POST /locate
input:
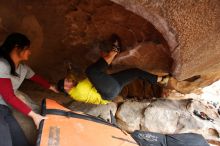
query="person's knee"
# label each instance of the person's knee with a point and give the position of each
(111, 94)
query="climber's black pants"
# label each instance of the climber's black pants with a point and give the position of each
(11, 133)
(110, 85)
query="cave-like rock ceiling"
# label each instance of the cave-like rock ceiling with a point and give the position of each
(164, 36)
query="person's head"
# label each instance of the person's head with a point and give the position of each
(15, 45)
(66, 84)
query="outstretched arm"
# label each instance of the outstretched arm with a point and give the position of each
(8, 95)
(43, 82)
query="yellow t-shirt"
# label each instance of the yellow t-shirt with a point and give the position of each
(85, 92)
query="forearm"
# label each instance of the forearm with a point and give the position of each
(36, 118)
(40, 81)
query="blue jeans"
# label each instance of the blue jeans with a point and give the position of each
(11, 133)
(110, 85)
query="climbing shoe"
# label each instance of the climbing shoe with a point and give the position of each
(165, 80)
(116, 43)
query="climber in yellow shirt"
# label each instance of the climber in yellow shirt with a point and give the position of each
(100, 87)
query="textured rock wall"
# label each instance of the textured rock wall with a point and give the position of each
(148, 56)
(63, 30)
(70, 30)
(191, 28)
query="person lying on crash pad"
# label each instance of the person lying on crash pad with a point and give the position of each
(100, 87)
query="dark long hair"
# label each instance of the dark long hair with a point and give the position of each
(17, 40)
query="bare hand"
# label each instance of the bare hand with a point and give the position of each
(36, 118)
(54, 89)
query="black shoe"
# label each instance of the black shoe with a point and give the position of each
(116, 43)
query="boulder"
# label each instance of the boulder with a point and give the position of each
(102, 111)
(129, 115)
(162, 116)
(170, 116)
